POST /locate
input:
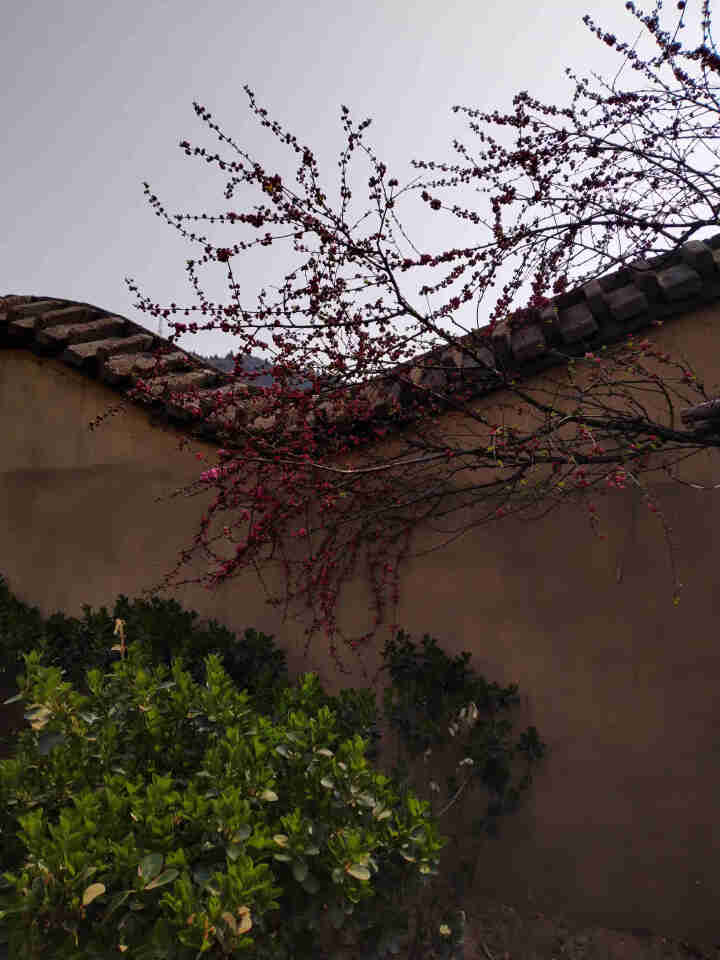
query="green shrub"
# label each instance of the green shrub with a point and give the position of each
(355, 711)
(434, 701)
(21, 629)
(174, 819)
(164, 630)
(160, 626)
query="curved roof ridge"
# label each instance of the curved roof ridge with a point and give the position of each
(184, 390)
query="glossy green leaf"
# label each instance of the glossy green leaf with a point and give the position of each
(116, 902)
(358, 871)
(150, 865)
(166, 877)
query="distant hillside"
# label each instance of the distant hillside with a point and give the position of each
(226, 364)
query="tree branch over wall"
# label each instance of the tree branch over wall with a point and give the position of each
(359, 461)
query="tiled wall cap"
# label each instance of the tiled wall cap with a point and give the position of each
(528, 343)
(118, 351)
(627, 302)
(700, 258)
(576, 324)
(679, 282)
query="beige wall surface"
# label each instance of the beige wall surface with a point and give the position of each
(620, 827)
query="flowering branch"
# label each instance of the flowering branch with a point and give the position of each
(336, 321)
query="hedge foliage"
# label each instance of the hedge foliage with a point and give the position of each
(177, 795)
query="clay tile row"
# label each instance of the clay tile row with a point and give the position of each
(183, 390)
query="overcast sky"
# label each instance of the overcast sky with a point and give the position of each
(97, 96)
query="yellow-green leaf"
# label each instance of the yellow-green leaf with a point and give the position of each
(245, 919)
(38, 716)
(94, 890)
(358, 871)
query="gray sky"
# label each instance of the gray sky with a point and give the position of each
(98, 95)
